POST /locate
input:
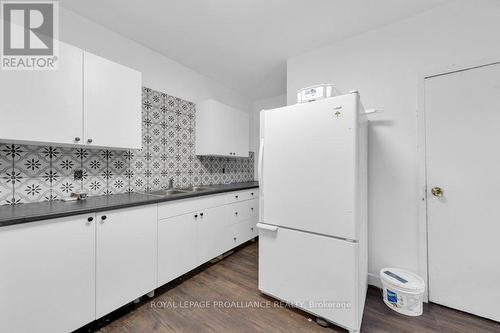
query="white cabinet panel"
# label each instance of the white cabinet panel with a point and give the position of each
(44, 106)
(328, 265)
(126, 256)
(112, 104)
(177, 251)
(47, 275)
(212, 225)
(221, 130)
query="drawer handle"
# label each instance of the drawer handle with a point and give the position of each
(251, 193)
(236, 196)
(236, 213)
(251, 208)
(251, 228)
(90, 219)
(267, 227)
(104, 217)
(195, 216)
(201, 214)
(235, 239)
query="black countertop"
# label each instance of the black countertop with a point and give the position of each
(30, 212)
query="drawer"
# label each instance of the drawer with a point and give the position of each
(184, 206)
(254, 209)
(238, 212)
(241, 233)
(243, 195)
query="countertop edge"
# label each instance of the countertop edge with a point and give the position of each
(149, 201)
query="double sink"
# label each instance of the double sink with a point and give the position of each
(175, 191)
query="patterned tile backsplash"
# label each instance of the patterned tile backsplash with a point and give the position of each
(40, 173)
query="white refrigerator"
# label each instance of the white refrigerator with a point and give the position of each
(313, 208)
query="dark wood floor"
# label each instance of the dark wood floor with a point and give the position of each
(234, 279)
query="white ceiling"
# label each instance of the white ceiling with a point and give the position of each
(243, 44)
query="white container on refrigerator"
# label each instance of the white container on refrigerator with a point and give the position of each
(313, 207)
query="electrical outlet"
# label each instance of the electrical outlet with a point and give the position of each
(78, 175)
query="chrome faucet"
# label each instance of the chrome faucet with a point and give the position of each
(170, 183)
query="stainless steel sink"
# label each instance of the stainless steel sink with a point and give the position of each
(169, 192)
(198, 189)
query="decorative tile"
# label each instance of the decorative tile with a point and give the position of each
(67, 162)
(31, 190)
(172, 103)
(95, 185)
(155, 182)
(64, 186)
(35, 160)
(95, 162)
(119, 184)
(138, 182)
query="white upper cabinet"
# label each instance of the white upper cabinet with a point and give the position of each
(44, 106)
(88, 101)
(221, 130)
(112, 104)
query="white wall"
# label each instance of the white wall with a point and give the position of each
(385, 65)
(158, 72)
(262, 104)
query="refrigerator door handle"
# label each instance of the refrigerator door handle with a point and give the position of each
(267, 227)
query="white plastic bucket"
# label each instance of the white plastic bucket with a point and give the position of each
(403, 291)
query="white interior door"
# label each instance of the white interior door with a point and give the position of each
(463, 159)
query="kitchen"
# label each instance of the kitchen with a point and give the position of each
(142, 188)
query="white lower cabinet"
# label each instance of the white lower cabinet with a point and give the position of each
(58, 275)
(177, 252)
(203, 229)
(126, 250)
(47, 275)
(211, 228)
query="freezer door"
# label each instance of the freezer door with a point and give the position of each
(315, 273)
(308, 166)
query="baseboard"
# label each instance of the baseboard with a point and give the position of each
(374, 280)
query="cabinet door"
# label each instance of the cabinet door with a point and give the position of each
(177, 247)
(221, 130)
(47, 275)
(112, 104)
(211, 229)
(126, 256)
(44, 106)
(241, 136)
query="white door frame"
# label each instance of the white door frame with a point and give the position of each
(423, 258)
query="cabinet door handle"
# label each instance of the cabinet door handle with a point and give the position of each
(236, 213)
(251, 193)
(89, 140)
(90, 219)
(201, 214)
(251, 208)
(103, 218)
(195, 216)
(77, 139)
(235, 239)
(236, 196)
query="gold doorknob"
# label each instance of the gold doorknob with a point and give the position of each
(437, 192)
